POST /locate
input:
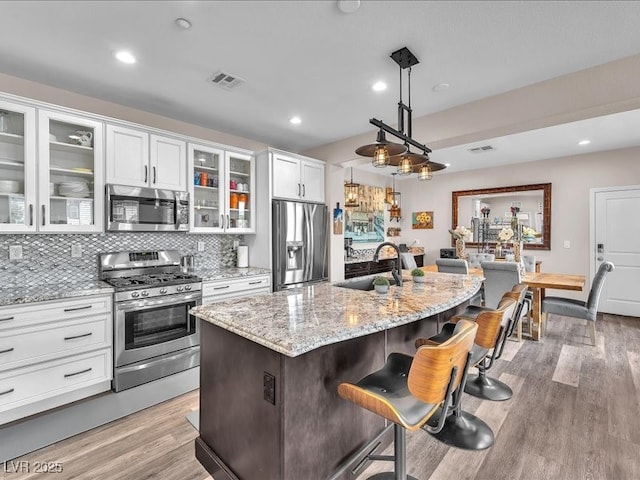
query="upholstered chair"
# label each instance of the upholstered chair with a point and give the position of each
(452, 265)
(588, 310)
(408, 261)
(475, 259)
(529, 263)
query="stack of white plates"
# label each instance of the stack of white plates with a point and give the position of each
(9, 186)
(73, 189)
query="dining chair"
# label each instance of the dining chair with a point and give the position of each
(408, 261)
(499, 277)
(452, 265)
(475, 259)
(529, 263)
(588, 310)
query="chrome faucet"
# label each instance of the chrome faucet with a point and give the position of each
(397, 271)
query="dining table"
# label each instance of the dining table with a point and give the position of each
(538, 283)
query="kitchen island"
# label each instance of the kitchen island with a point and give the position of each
(271, 364)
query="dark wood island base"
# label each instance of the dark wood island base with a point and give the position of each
(268, 416)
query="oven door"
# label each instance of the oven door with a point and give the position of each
(147, 328)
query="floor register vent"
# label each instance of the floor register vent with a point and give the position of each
(226, 80)
(484, 148)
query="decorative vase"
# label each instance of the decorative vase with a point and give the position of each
(514, 224)
(461, 251)
(517, 251)
(498, 251)
(381, 288)
(418, 279)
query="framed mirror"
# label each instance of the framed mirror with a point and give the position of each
(485, 211)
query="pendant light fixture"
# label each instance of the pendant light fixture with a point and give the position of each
(386, 153)
(351, 193)
(395, 211)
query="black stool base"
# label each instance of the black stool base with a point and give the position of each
(465, 431)
(388, 476)
(487, 388)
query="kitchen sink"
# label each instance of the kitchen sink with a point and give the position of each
(366, 284)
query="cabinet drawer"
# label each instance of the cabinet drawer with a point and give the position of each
(51, 311)
(53, 340)
(228, 288)
(25, 385)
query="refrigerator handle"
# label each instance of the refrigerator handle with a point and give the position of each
(308, 242)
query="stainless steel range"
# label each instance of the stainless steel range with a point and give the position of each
(154, 334)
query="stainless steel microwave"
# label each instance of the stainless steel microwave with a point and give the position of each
(139, 209)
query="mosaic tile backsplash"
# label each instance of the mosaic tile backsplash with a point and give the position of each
(47, 258)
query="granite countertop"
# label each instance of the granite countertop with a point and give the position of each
(209, 275)
(385, 254)
(41, 293)
(296, 321)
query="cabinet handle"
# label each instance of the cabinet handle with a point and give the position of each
(7, 391)
(154, 175)
(221, 288)
(221, 221)
(77, 308)
(31, 214)
(7, 350)
(77, 336)
(228, 221)
(255, 283)
(298, 189)
(6, 319)
(67, 375)
(146, 171)
(44, 217)
(304, 190)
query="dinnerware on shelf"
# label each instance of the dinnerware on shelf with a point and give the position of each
(9, 186)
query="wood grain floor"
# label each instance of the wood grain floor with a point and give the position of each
(574, 415)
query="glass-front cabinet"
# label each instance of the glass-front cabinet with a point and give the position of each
(221, 192)
(17, 167)
(71, 173)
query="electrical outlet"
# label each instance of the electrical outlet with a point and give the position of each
(236, 243)
(269, 388)
(15, 252)
(567, 244)
(76, 251)
(201, 246)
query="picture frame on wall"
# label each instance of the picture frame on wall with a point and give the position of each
(422, 220)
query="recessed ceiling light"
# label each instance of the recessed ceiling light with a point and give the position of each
(183, 23)
(379, 87)
(124, 56)
(348, 6)
(584, 142)
(447, 164)
(440, 87)
(295, 120)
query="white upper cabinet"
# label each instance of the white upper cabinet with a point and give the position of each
(297, 178)
(140, 159)
(18, 191)
(222, 190)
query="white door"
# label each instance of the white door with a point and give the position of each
(286, 177)
(312, 182)
(616, 239)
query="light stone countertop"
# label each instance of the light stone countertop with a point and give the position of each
(386, 254)
(296, 321)
(42, 293)
(209, 275)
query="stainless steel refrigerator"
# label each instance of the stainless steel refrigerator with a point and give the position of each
(300, 238)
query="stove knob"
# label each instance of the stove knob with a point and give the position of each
(135, 294)
(179, 288)
(187, 287)
(163, 290)
(145, 293)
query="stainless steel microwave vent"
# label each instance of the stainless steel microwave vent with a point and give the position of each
(484, 148)
(226, 80)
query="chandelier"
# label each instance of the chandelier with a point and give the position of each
(351, 193)
(395, 211)
(399, 155)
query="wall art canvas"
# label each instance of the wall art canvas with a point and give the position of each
(421, 220)
(337, 220)
(365, 223)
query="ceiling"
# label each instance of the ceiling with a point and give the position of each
(310, 59)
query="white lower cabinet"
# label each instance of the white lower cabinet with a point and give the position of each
(53, 353)
(217, 290)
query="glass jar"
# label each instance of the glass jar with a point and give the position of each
(242, 198)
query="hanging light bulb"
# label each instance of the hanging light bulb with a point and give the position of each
(405, 167)
(380, 157)
(395, 212)
(425, 173)
(351, 193)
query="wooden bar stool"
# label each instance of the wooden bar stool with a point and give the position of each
(408, 391)
(463, 429)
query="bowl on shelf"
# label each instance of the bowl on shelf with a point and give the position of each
(52, 189)
(9, 186)
(73, 189)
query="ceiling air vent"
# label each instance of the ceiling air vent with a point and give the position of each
(484, 148)
(226, 80)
